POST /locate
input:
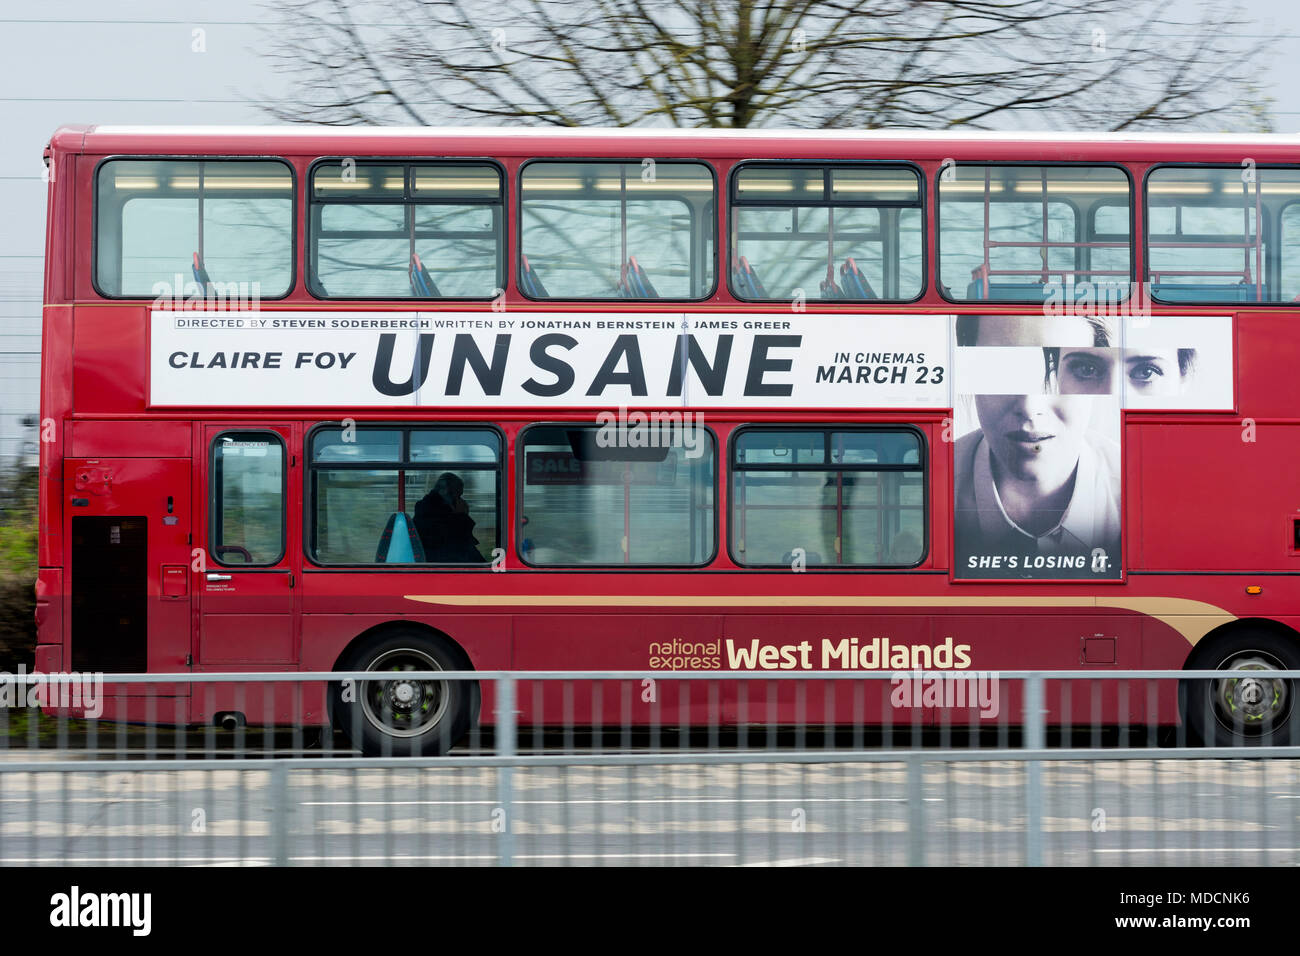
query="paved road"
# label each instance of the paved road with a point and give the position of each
(1143, 812)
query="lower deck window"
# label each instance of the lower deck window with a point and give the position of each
(589, 498)
(840, 498)
(405, 496)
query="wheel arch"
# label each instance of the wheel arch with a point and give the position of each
(379, 630)
(1240, 626)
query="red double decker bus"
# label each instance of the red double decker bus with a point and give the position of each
(419, 400)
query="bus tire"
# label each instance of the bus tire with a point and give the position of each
(1245, 711)
(398, 717)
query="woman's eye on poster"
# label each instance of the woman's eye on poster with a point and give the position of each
(1085, 371)
(1159, 375)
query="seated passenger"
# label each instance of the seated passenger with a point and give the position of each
(442, 519)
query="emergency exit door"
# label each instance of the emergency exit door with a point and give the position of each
(128, 524)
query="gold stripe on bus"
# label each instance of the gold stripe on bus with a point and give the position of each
(1192, 619)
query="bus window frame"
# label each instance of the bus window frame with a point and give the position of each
(1281, 215)
(213, 499)
(828, 166)
(520, 465)
(1264, 220)
(192, 158)
(406, 427)
(1081, 223)
(406, 162)
(519, 252)
(922, 467)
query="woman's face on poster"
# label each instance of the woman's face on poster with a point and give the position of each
(1035, 437)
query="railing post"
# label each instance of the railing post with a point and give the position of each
(279, 811)
(915, 810)
(505, 746)
(1035, 738)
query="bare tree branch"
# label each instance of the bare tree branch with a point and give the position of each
(1086, 64)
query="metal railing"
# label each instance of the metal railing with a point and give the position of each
(780, 771)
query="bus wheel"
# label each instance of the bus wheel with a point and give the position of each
(1250, 708)
(400, 716)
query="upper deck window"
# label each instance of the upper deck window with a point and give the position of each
(1028, 233)
(599, 230)
(406, 230)
(1223, 234)
(208, 226)
(826, 233)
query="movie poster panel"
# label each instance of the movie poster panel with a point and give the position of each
(1037, 423)
(1037, 458)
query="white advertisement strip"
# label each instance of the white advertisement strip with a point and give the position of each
(577, 359)
(1162, 362)
(1174, 362)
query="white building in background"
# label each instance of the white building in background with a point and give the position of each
(20, 358)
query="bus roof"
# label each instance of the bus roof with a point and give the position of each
(487, 141)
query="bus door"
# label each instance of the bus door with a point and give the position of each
(129, 567)
(247, 589)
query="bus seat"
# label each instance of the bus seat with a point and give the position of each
(1038, 292)
(201, 275)
(810, 557)
(400, 543)
(634, 283)
(854, 283)
(829, 290)
(1210, 292)
(626, 285)
(529, 282)
(1008, 291)
(747, 282)
(422, 284)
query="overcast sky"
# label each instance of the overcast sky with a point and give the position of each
(116, 61)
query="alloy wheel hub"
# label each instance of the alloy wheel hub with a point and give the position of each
(1251, 698)
(400, 705)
